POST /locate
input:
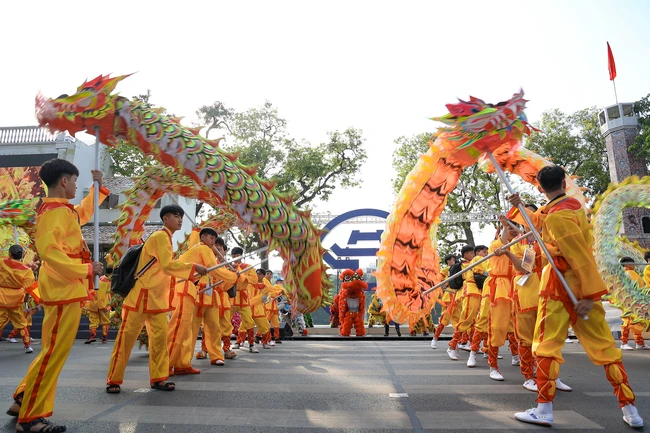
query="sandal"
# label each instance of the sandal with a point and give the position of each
(19, 403)
(113, 389)
(48, 426)
(168, 386)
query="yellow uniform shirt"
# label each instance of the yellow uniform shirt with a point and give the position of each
(498, 282)
(527, 295)
(102, 299)
(244, 286)
(14, 278)
(154, 289)
(635, 277)
(66, 273)
(567, 235)
(203, 255)
(646, 276)
(471, 289)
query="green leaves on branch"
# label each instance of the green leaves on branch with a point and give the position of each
(574, 142)
(642, 142)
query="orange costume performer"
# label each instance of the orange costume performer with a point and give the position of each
(567, 235)
(471, 302)
(499, 284)
(147, 304)
(99, 308)
(64, 281)
(272, 312)
(636, 327)
(260, 291)
(451, 313)
(190, 308)
(242, 305)
(352, 302)
(15, 278)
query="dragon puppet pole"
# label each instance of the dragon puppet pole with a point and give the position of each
(227, 262)
(15, 234)
(96, 210)
(475, 264)
(533, 230)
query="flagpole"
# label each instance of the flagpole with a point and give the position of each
(615, 95)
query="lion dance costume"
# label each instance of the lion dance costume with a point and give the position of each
(352, 302)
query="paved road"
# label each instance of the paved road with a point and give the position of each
(325, 387)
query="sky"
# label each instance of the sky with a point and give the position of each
(383, 67)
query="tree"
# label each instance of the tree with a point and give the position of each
(574, 142)
(642, 142)
(474, 181)
(127, 159)
(308, 172)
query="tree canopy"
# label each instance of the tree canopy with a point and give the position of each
(574, 142)
(642, 143)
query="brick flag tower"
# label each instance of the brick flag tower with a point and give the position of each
(620, 126)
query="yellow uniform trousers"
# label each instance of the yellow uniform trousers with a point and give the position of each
(18, 320)
(179, 333)
(596, 338)
(471, 305)
(97, 318)
(38, 387)
(499, 323)
(481, 324)
(225, 322)
(247, 325)
(274, 322)
(450, 315)
(525, 333)
(211, 330)
(132, 323)
(637, 331)
(263, 328)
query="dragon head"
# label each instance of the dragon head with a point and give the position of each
(476, 116)
(92, 105)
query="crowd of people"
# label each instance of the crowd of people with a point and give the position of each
(172, 297)
(504, 292)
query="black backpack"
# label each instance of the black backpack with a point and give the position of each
(456, 283)
(480, 280)
(125, 276)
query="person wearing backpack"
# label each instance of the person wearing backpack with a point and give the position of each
(471, 299)
(192, 308)
(64, 281)
(149, 301)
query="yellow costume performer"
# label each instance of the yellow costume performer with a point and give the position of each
(64, 281)
(148, 303)
(242, 305)
(15, 278)
(99, 309)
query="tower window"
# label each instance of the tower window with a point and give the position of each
(645, 223)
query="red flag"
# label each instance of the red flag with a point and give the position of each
(610, 63)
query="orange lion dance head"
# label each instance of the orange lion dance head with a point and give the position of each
(353, 282)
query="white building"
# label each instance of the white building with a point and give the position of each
(31, 146)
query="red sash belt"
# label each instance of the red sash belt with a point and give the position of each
(493, 285)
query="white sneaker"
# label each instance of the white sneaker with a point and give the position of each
(265, 346)
(29, 349)
(236, 346)
(643, 346)
(531, 385)
(568, 340)
(12, 340)
(471, 361)
(434, 344)
(466, 347)
(561, 386)
(631, 416)
(515, 360)
(271, 343)
(623, 347)
(536, 416)
(453, 354)
(485, 355)
(495, 374)
(252, 349)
